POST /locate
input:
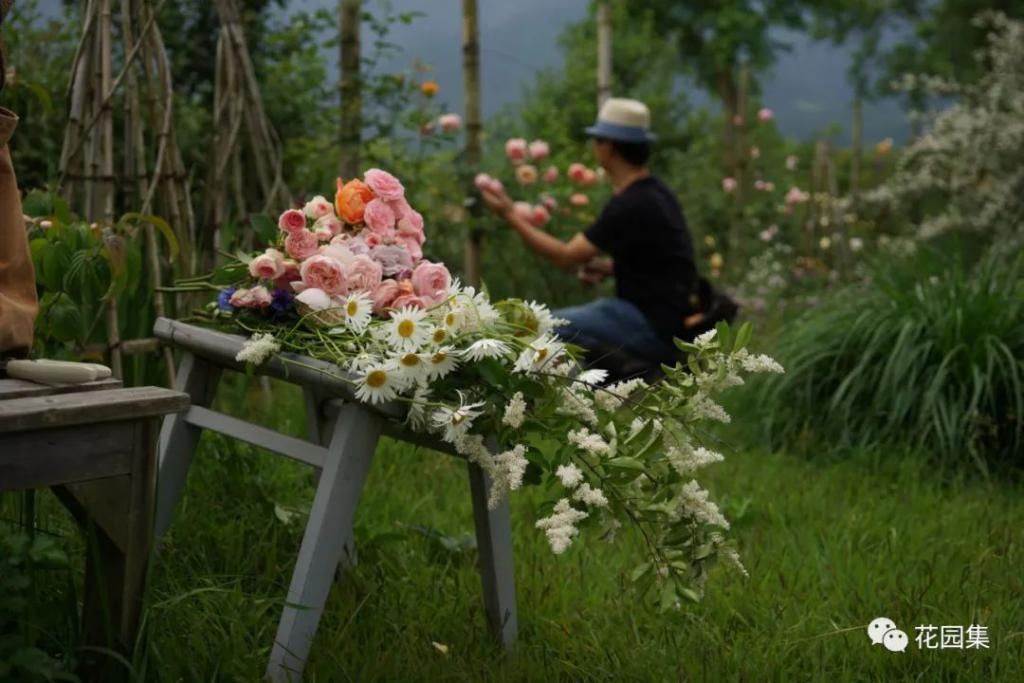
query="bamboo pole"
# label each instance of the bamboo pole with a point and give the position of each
(350, 89)
(106, 185)
(604, 53)
(856, 153)
(474, 127)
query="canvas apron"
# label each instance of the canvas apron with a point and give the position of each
(18, 303)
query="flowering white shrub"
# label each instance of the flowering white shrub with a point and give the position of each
(965, 173)
(496, 382)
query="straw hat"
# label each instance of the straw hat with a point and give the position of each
(623, 120)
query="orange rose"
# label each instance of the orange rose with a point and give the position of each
(351, 200)
(429, 88)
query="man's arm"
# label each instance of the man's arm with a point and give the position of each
(565, 255)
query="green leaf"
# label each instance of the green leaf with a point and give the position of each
(639, 572)
(669, 597)
(743, 336)
(264, 227)
(160, 224)
(64, 319)
(56, 261)
(625, 463)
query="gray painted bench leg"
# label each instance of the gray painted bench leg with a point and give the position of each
(494, 541)
(178, 439)
(327, 538)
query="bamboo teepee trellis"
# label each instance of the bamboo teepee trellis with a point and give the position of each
(245, 163)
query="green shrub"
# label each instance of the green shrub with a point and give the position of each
(929, 353)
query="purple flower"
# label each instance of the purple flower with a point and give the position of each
(224, 299)
(281, 303)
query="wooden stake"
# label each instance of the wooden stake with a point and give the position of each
(604, 53)
(350, 89)
(474, 128)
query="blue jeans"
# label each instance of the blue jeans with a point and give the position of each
(614, 323)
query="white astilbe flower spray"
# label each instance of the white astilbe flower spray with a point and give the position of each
(759, 363)
(703, 407)
(258, 349)
(576, 404)
(570, 475)
(704, 340)
(587, 442)
(408, 330)
(686, 460)
(695, 502)
(515, 411)
(611, 397)
(509, 469)
(560, 525)
(591, 496)
(486, 348)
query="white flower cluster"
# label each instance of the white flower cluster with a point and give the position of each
(693, 501)
(686, 460)
(560, 525)
(589, 443)
(258, 349)
(515, 411)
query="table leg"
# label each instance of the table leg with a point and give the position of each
(494, 541)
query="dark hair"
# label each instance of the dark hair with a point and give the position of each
(634, 153)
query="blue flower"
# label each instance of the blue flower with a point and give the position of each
(224, 299)
(281, 303)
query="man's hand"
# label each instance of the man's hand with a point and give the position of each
(595, 270)
(499, 202)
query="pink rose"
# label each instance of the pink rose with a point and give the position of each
(324, 272)
(289, 274)
(579, 199)
(357, 245)
(729, 184)
(363, 274)
(410, 226)
(411, 245)
(764, 115)
(392, 258)
(316, 299)
(551, 175)
(486, 182)
(379, 217)
(549, 202)
(301, 244)
(796, 196)
(539, 150)
(318, 207)
(384, 185)
(431, 281)
(589, 177)
(449, 123)
(384, 296)
(372, 239)
(540, 216)
(526, 174)
(292, 221)
(515, 150)
(577, 172)
(257, 297)
(331, 222)
(759, 185)
(339, 252)
(323, 233)
(409, 300)
(268, 265)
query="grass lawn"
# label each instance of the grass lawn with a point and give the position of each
(829, 546)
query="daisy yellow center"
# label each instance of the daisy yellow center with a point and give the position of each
(457, 418)
(352, 308)
(542, 354)
(406, 328)
(449, 319)
(376, 379)
(410, 360)
(439, 336)
(439, 357)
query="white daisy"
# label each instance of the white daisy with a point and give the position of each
(407, 330)
(417, 415)
(379, 383)
(440, 335)
(454, 318)
(486, 348)
(412, 367)
(441, 362)
(455, 422)
(545, 321)
(358, 309)
(541, 354)
(594, 376)
(362, 362)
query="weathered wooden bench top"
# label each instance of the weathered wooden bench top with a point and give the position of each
(90, 405)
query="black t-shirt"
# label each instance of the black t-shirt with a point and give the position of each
(643, 229)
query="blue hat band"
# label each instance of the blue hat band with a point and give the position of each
(615, 131)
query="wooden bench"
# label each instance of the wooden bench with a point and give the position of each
(94, 444)
(342, 436)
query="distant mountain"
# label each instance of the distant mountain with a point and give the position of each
(807, 89)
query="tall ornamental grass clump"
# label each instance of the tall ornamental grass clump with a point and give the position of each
(929, 354)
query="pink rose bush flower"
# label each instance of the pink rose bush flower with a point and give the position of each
(449, 123)
(796, 196)
(384, 295)
(764, 115)
(729, 184)
(526, 174)
(551, 175)
(516, 150)
(577, 173)
(579, 199)
(539, 150)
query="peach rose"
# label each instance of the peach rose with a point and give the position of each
(292, 221)
(526, 174)
(324, 272)
(257, 297)
(589, 177)
(516, 150)
(317, 207)
(431, 281)
(351, 200)
(384, 185)
(579, 199)
(409, 300)
(363, 274)
(385, 294)
(379, 217)
(268, 265)
(486, 182)
(302, 244)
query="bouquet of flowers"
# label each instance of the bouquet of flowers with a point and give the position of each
(346, 282)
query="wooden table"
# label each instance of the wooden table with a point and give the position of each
(95, 445)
